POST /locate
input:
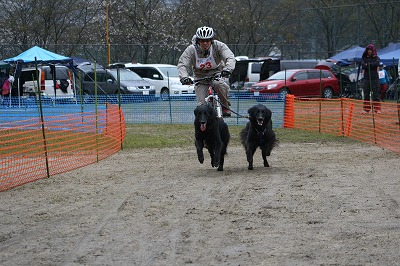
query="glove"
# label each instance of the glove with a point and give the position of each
(186, 81)
(225, 73)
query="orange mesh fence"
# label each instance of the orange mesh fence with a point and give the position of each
(345, 117)
(31, 149)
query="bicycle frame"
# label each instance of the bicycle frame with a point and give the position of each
(212, 97)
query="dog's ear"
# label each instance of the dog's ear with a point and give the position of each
(251, 111)
(268, 114)
(197, 110)
(211, 111)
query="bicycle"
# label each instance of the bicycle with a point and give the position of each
(212, 97)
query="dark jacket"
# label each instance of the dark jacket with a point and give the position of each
(370, 64)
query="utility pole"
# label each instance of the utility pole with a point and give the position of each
(107, 38)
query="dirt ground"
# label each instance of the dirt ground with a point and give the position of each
(318, 204)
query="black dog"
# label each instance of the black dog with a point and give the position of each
(210, 132)
(258, 133)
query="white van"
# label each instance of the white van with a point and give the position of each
(165, 79)
(28, 82)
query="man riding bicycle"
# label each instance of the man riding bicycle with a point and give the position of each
(206, 57)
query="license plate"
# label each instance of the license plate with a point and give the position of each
(146, 92)
(256, 93)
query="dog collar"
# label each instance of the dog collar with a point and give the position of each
(261, 133)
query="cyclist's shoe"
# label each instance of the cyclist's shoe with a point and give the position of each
(226, 112)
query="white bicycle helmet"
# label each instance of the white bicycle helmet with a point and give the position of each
(204, 33)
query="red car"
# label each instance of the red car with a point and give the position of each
(300, 82)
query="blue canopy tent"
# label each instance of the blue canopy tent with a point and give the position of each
(41, 55)
(350, 55)
(390, 48)
(37, 55)
(391, 58)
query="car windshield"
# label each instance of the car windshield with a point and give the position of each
(281, 75)
(125, 75)
(171, 71)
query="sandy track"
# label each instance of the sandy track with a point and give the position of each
(318, 204)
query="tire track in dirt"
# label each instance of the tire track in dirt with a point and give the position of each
(318, 204)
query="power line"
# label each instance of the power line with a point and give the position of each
(350, 5)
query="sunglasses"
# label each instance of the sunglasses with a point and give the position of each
(205, 40)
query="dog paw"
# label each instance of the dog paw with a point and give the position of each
(201, 159)
(250, 167)
(220, 168)
(266, 164)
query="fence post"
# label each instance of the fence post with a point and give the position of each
(46, 155)
(347, 130)
(342, 116)
(288, 120)
(121, 123)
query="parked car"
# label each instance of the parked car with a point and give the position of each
(165, 78)
(253, 70)
(107, 81)
(300, 82)
(59, 75)
(258, 69)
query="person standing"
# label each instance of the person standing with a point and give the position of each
(206, 57)
(370, 63)
(6, 84)
(384, 81)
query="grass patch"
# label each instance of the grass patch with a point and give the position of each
(169, 136)
(158, 136)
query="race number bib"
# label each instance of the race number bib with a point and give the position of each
(207, 62)
(381, 74)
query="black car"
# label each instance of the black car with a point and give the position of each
(107, 81)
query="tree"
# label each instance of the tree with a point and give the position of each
(157, 31)
(49, 23)
(327, 20)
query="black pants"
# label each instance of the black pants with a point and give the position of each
(368, 87)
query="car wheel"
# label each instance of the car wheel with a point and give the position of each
(284, 92)
(327, 93)
(164, 94)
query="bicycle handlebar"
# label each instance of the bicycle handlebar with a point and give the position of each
(208, 79)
